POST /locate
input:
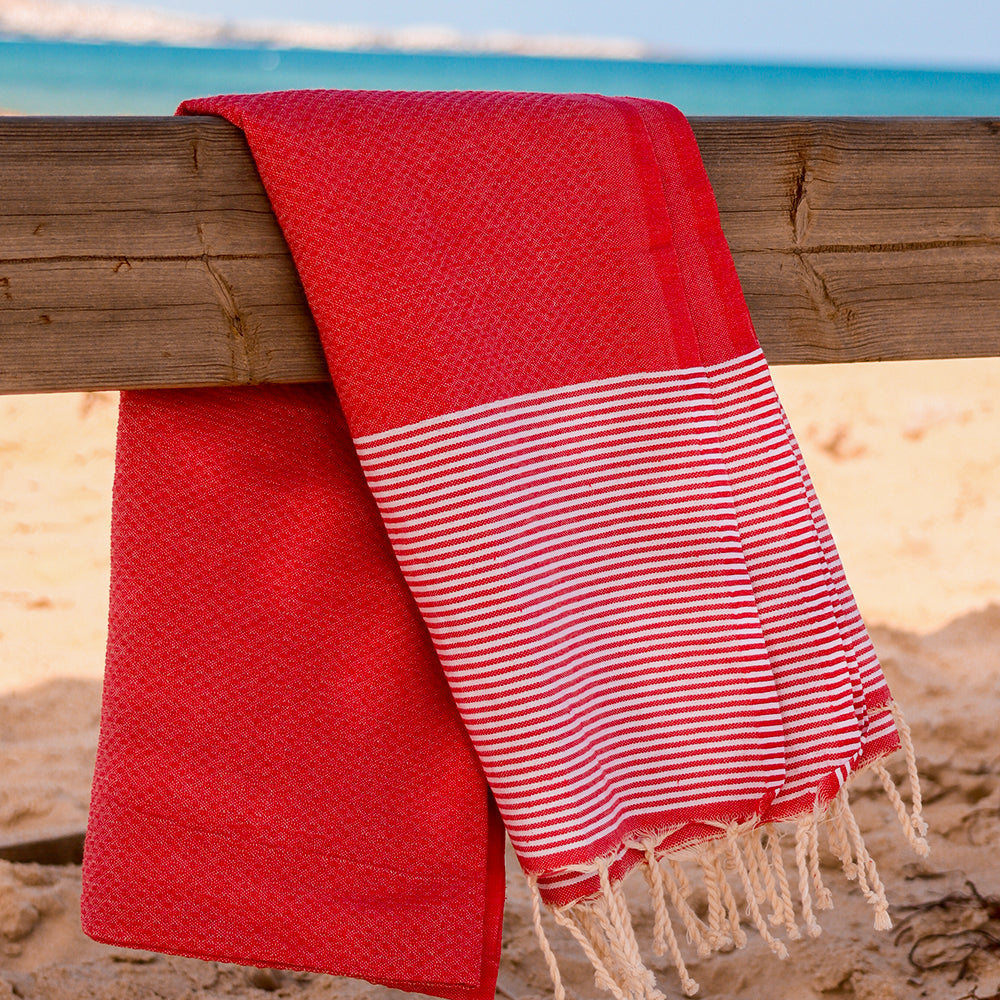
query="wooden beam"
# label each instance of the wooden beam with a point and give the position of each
(53, 848)
(143, 252)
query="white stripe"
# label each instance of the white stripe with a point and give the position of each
(459, 453)
(604, 388)
(683, 503)
(596, 572)
(710, 528)
(577, 485)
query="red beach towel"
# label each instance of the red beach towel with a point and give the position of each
(282, 779)
(549, 375)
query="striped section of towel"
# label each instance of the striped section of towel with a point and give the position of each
(537, 334)
(576, 557)
(818, 683)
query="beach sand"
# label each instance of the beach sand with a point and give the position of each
(906, 459)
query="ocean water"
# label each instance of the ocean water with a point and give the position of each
(69, 78)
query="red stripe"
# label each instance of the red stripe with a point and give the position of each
(605, 670)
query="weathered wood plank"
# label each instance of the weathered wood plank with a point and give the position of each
(143, 252)
(59, 848)
(863, 239)
(139, 252)
(146, 321)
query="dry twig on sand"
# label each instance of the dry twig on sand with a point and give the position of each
(958, 946)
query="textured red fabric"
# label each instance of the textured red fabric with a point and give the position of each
(549, 375)
(807, 546)
(487, 268)
(282, 778)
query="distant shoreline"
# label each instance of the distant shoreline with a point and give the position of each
(74, 21)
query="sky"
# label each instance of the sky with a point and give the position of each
(953, 33)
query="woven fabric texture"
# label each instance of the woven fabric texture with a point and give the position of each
(282, 778)
(583, 475)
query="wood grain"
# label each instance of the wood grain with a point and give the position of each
(862, 239)
(143, 252)
(52, 848)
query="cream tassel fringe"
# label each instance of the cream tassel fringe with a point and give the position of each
(664, 939)
(750, 857)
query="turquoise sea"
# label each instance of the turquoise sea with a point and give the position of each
(53, 78)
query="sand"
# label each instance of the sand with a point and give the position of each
(906, 458)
